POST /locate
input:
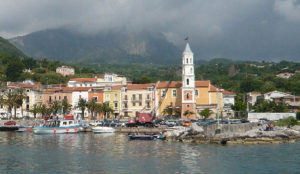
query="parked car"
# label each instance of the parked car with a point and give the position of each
(186, 123)
(10, 123)
(244, 121)
(264, 120)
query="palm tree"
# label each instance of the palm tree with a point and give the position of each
(99, 109)
(82, 105)
(188, 113)
(92, 107)
(168, 111)
(66, 106)
(35, 110)
(19, 97)
(55, 107)
(106, 109)
(206, 113)
(10, 102)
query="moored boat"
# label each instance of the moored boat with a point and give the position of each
(57, 127)
(103, 129)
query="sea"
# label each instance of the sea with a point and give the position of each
(114, 153)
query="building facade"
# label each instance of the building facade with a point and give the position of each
(65, 70)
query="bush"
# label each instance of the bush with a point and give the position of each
(298, 115)
(290, 121)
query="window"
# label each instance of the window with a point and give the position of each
(107, 97)
(140, 103)
(187, 96)
(148, 96)
(187, 81)
(65, 97)
(188, 106)
(148, 104)
(1, 106)
(50, 99)
(196, 92)
(54, 97)
(27, 107)
(191, 70)
(27, 90)
(95, 99)
(116, 105)
(133, 96)
(187, 60)
(27, 99)
(125, 105)
(163, 93)
(126, 97)
(190, 60)
(140, 96)
(133, 104)
(59, 97)
(174, 93)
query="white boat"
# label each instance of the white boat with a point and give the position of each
(100, 129)
(58, 127)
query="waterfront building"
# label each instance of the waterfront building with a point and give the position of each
(33, 96)
(106, 79)
(228, 101)
(112, 96)
(137, 98)
(65, 70)
(286, 75)
(77, 94)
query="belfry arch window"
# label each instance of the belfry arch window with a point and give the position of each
(187, 96)
(191, 70)
(187, 81)
(191, 60)
(187, 60)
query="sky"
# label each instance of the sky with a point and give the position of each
(236, 29)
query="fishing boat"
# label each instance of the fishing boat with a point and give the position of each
(57, 127)
(141, 137)
(103, 129)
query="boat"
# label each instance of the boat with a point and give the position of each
(141, 137)
(57, 127)
(103, 129)
(24, 128)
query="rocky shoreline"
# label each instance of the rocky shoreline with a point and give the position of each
(250, 133)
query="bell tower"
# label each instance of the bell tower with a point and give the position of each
(188, 83)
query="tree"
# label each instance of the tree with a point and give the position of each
(106, 109)
(82, 105)
(66, 106)
(206, 113)
(239, 107)
(269, 106)
(168, 110)
(92, 106)
(20, 95)
(35, 110)
(14, 70)
(55, 107)
(188, 113)
(10, 102)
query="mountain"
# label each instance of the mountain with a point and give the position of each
(8, 48)
(114, 46)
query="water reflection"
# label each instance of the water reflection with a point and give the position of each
(114, 153)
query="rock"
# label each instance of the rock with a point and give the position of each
(195, 129)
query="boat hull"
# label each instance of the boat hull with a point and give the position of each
(55, 130)
(103, 130)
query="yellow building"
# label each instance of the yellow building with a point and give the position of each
(137, 98)
(112, 95)
(169, 94)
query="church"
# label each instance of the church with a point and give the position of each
(189, 96)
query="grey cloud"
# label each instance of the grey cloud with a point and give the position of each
(250, 29)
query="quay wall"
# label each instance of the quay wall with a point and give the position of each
(212, 130)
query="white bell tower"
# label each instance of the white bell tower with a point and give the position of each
(188, 82)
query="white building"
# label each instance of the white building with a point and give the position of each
(65, 70)
(273, 95)
(228, 100)
(79, 93)
(100, 80)
(285, 75)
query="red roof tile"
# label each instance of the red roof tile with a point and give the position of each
(139, 86)
(84, 79)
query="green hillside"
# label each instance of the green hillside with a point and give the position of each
(8, 48)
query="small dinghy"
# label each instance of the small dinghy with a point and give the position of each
(100, 129)
(141, 137)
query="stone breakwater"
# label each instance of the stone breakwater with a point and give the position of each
(247, 133)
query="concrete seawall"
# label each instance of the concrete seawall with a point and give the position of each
(212, 130)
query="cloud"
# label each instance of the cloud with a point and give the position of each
(253, 29)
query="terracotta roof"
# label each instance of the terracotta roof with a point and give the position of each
(100, 76)
(67, 89)
(84, 79)
(228, 92)
(139, 86)
(22, 85)
(255, 93)
(173, 84)
(178, 84)
(117, 87)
